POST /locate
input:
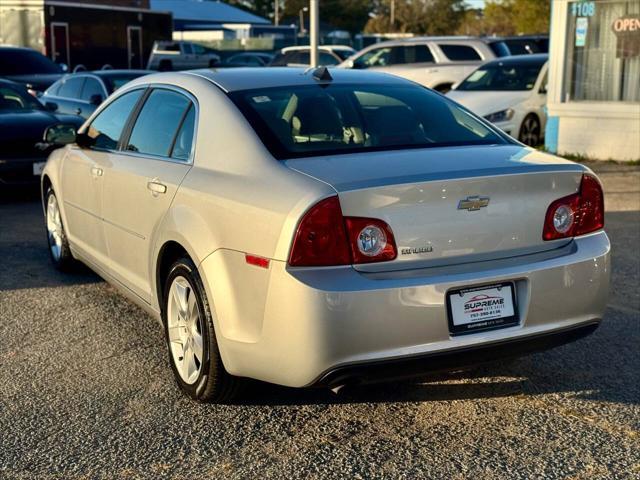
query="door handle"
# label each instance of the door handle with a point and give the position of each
(78, 111)
(156, 187)
(96, 171)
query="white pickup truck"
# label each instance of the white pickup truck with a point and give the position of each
(435, 62)
(180, 55)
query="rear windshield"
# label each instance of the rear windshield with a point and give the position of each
(312, 120)
(25, 62)
(507, 76)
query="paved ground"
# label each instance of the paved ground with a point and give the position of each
(86, 392)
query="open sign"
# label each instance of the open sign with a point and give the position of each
(626, 25)
(627, 31)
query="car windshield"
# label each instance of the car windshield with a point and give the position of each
(503, 76)
(25, 62)
(312, 120)
(13, 99)
(114, 82)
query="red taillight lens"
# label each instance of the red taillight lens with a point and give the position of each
(577, 214)
(325, 238)
(321, 239)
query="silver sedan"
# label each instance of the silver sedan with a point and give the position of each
(325, 227)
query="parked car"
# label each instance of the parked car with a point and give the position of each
(435, 62)
(180, 55)
(23, 121)
(28, 67)
(247, 59)
(300, 56)
(367, 227)
(519, 45)
(510, 93)
(81, 93)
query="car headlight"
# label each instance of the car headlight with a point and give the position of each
(501, 116)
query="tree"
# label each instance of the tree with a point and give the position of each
(508, 17)
(427, 17)
(350, 15)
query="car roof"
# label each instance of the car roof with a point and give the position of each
(249, 78)
(535, 58)
(449, 38)
(115, 72)
(321, 47)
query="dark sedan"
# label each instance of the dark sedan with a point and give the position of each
(28, 67)
(81, 93)
(23, 121)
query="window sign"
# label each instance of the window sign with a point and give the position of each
(627, 31)
(583, 9)
(582, 23)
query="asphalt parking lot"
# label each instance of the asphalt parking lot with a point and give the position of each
(86, 391)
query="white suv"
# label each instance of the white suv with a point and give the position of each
(172, 55)
(435, 62)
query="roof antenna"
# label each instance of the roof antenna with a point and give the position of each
(322, 74)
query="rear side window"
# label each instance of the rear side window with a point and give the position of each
(158, 122)
(92, 87)
(459, 53)
(184, 138)
(400, 55)
(71, 87)
(108, 125)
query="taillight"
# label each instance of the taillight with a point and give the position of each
(576, 214)
(325, 238)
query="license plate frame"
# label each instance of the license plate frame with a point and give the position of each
(488, 322)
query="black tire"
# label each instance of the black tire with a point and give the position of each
(213, 383)
(63, 260)
(165, 66)
(530, 131)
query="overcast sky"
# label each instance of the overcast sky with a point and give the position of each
(476, 3)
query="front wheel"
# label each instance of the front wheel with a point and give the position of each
(59, 250)
(530, 131)
(191, 340)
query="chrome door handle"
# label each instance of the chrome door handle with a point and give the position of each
(96, 171)
(156, 187)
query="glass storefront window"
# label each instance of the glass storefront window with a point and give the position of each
(603, 51)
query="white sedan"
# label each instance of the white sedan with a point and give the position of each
(324, 227)
(510, 93)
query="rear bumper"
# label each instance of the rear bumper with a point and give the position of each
(451, 360)
(296, 326)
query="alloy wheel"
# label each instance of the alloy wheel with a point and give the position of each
(530, 132)
(54, 227)
(184, 324)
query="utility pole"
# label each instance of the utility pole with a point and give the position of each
(314, 30)
(277, 13)
(393, 15)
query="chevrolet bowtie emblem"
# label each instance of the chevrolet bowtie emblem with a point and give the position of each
(473, 203)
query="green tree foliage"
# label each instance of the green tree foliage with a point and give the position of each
(423, 17)
(508, 17)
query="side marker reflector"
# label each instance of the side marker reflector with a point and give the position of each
(257, 261)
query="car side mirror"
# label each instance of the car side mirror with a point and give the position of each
(51, 106)
(60, 135)
(83, 140)
(96, 99)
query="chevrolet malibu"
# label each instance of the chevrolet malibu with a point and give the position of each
(323, 228)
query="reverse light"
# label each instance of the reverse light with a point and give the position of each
(501, 116)
(576, 214)
(326, 238)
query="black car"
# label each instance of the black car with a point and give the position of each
(23, 121)
(81, 93)
(28, 67)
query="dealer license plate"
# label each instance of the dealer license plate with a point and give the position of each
(482, 308)
(38, 167)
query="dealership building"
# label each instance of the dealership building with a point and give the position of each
(594, 79)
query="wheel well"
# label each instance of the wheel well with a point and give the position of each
(443, 87)
(169, 253)
(46, 184)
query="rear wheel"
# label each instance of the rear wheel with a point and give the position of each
(530, 131)
(59, 250)
(190, 336)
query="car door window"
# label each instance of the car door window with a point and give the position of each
(184, 139)
(187, 48)
(460, 53)
(328, 59)
(156, 126)
(71, 87)
(413, 54)
(378, 57)
(199, 49)
(107, 127)
(91, 87)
